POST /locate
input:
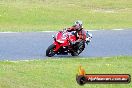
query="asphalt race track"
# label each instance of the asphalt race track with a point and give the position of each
(32, 45)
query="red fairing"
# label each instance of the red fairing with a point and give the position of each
(63, 38)
(72, 38)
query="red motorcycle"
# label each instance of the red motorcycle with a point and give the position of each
(62, 44)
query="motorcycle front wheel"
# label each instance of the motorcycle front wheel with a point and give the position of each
(50, 51)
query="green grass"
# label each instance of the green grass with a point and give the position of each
(61, 72)
(41, 15)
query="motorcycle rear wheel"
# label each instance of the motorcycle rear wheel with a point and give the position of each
(74, 54)
(79, 48)
(50, 51)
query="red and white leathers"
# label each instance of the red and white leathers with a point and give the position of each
(80, 34)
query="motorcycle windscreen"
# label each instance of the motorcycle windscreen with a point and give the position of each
(61, 38)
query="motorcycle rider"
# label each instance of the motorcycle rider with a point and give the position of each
(79, 32)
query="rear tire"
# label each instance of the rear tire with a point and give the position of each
(79, 48)
(50, 51)
(74, 54)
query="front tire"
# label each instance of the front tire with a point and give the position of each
(50, 51)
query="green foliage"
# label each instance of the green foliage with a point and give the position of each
(61, 72)
(41, 15)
